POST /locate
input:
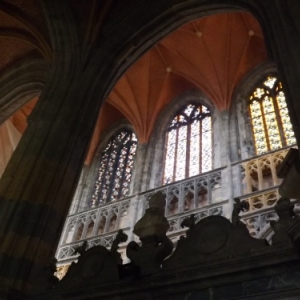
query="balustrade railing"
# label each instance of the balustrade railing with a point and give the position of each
(261, 200)
(189, 194)
(253, 180)
(259, 187)
(94, 225)
(68, 251)
(213, 210)
(96, 221)
(260, 173)
(261, 212)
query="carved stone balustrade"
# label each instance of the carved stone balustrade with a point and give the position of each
(261, 212)
(204, 195)
(195, 192)
(262, 200)
(259, 173)
(212, 210)
(95, 221)
(68, 253)
(213, 257)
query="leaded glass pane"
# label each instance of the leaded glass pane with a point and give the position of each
(181, 153)
(206, 125)
(206, 154)
(128, 170)
(268, 105)
(194, 162)
(287, 127)
(259, 135)
(259, 93)
(189, 110)
(170, 157)
(270, 82)
(281, 100)
(271, 124)
(272, 131)
(188, 138)
(255, 109)
(115, 169)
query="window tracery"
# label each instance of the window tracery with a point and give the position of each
(188, 144)
(271, 125)
(115, 169)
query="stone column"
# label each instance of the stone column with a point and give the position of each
(282, 28)
(38, 184)
(281, 25)
(138, 178)
(39, 181)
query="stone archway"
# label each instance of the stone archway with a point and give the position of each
(40, 179)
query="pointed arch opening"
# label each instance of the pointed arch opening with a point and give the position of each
(271, 124)
(115, 168)
(188, 143)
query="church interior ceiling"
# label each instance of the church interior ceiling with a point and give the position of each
(211, 54)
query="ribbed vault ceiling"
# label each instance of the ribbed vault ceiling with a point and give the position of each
(211, 54)
(23, 36)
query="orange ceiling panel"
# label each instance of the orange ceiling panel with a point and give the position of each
(211, 54)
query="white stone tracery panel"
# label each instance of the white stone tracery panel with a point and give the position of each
(189, 194)
(104, 219)
(175, 221)
(68, 252)
(260, 173)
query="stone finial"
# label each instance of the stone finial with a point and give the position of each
(238, 206)
(154, 221)
(121, 237)
(188, 222)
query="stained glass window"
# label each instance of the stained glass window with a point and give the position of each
(188, 144)
(271, 125)
(115, 169)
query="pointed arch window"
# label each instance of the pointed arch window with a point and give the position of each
(115, 168)
(188, 143)
(271, 125)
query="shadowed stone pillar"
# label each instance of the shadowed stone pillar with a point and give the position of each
(282, 27)
(38, 184)
(39, 181)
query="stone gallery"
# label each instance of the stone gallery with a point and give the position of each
(148, 149)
